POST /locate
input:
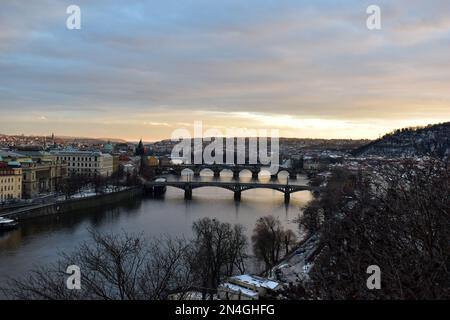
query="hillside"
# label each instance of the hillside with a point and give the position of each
(432, 140)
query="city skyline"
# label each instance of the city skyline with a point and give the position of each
(142, 70)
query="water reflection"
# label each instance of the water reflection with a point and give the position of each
(38, 241)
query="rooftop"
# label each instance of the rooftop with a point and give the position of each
(77, 152)
(10, 154)
(256, 281)
(237, 289)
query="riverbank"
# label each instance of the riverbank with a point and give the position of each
(64, 206)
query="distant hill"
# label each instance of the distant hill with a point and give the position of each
(112, 140)
(432, 140)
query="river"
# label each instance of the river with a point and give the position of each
(37, 242)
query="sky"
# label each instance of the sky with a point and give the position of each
(142, 69)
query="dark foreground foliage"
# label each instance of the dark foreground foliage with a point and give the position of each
(397, 218)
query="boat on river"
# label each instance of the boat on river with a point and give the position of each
(7, 224)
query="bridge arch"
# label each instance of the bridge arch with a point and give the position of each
(226, 172)
(215, 187)
(207, 172)
(283, 173)
(264, 172)
(187, 172)
(245, 173)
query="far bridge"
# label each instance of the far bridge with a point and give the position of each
(235, 169)
(236, 187)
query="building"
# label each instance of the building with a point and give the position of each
(42, 171)
(152, 161)
(86, 163)
(311, 163)
(116, 163)
(130, 164)
(10, 182)
(7, 155)
(247, 287)
(164, 161)
(108, 147)
(296, 161)
(125, 148)
(129, 168)
(42, 177)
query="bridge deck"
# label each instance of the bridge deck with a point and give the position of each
(235, 186)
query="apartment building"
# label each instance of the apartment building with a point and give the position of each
(87, 163)
(10, 182)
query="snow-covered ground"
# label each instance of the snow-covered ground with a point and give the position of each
(295, 268)
(90, 192)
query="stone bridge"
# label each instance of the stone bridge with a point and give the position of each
(236, 187)
(236, 169)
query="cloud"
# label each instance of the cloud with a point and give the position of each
(156, 124)
(285, 59)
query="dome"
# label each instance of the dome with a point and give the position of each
(108, 147)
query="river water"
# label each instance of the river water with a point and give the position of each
(38, 242)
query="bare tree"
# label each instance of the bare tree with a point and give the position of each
(99, 183)
(269, 238)
(113, 267)
(132, 179)
(219, 249)
(72, 185)
(289, 240)
(397, 218)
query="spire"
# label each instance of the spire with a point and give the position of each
(140, 149)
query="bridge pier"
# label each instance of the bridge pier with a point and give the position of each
(235, 174)
(237, 195)
(292, 175)
(255, 175)
(188, 193)
(273, 176)
(287, 197)
(216, 174)
(197, 173)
